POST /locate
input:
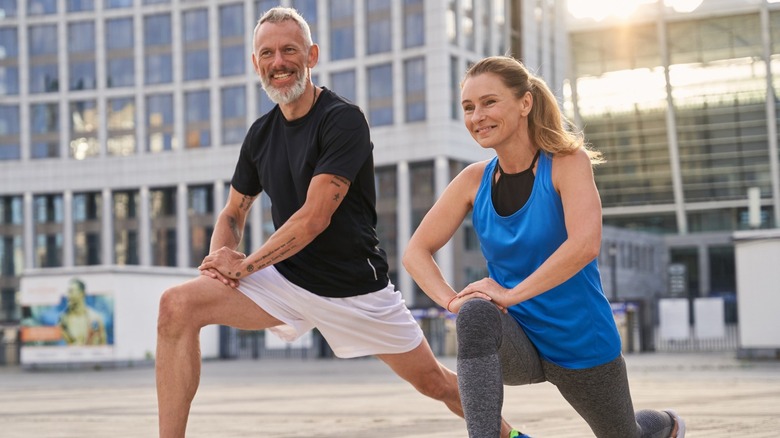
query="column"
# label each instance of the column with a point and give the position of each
(404, 218)
(445, 257)
(144, 228)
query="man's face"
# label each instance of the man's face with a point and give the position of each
(282, 60)
(75, 295)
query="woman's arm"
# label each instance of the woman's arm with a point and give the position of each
(572, 177)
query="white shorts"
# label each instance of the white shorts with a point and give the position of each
(363, 325)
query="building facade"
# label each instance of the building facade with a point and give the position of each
(684, 107)
(121, 120)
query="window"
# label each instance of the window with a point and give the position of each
(159, 123)
(125, 208)
(41, 7)
(120, 66)
(196, 44)
(121, 126)
(233, 57)
(9, 63)
(162, 210)
(80, 5)
(380, 95)
(10, 142)
(342, 29)
(200, 206)
(414, 23)
(112, 4)
(83, 129)
(379, 34)
(343, 83)
(308, 10)
(414, 89)
(8, 8)
(81, 55)
(233, 114)
(44, 76)
(45, 130)
(48, 230)
(157, 49)
(197, 119)
(87, 209)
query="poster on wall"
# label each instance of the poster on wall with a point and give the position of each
(64, 321)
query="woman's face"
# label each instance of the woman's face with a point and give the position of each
(491, 112)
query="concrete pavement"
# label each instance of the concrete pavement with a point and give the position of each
(718, 395)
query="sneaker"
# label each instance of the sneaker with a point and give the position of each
(517, 434)
(679, 422)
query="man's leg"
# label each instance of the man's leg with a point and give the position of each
(420, 368)
(184, 310)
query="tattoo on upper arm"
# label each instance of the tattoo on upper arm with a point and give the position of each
(338, 181)
(336, 197)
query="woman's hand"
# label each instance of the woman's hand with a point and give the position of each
(487, 288)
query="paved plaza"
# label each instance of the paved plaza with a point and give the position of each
(718, 395)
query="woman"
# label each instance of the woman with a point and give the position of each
(542, 314)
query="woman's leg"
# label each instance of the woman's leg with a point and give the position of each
(601, 396)
(488, 341)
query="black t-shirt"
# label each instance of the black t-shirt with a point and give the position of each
(281, 158)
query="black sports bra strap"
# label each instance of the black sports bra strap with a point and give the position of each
(533, 162)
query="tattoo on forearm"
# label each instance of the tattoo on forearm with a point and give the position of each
(234, 228)
(337, 197)
(273, 256)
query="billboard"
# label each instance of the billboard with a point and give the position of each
(63, 319)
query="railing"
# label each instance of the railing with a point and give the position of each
(730, 341)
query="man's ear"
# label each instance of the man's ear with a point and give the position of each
(314, 55)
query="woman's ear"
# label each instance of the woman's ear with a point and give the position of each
(526, 103)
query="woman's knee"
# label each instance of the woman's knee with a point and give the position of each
(479, 328)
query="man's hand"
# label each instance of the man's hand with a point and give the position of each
(213, 273)
(226, 262)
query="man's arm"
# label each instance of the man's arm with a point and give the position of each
(325, 194)
(229, 228)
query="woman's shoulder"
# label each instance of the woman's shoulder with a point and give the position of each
(474, 171)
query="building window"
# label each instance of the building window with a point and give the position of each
(120, 64)
(233, 114)
(9, 64)
(197, 119)
(121, 126)
(379, 28)
(45, 130)
(44, 76)
(264, 103)
(308, 10)
(126, 226)
(343, 83)
(196, 44)
(342, 29)
(87, 208)
(41, 7)
(468, 24)
(8, 8)
(81, 55)
(452, 22)
(157, 49)
(114, 4)
(80, 5)
(233, 57)
(48, 231)
(159, 123)
(414, 23)
(83, 129)
(10, 142)
(380, 95)
(414, 89)
(163, 226)
(11, 232)
(200, 208)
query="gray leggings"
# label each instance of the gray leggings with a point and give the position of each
(493, 350)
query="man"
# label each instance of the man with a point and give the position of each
(80, 324)
(322, 267)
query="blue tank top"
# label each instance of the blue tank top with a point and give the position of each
(571, 325)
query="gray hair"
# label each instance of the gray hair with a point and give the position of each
(280, 14)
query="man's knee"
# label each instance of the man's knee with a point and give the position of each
(173, 317)
(479, 328)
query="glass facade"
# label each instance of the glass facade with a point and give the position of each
(44, 130)
(159, 123)
(87, 209)
(162, 211)
(9, 62)
(380, 95)
(120, 61)
(233, 114)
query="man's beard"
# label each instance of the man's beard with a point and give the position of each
(285, 97)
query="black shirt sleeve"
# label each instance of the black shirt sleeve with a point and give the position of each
(346, 143)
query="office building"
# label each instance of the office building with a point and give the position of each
(121, 120)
